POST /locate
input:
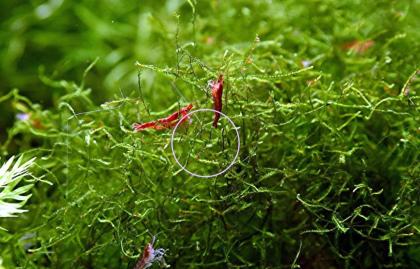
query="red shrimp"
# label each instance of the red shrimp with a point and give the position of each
(164, 123)
(150, 255)
(217, 92)
(359, 47)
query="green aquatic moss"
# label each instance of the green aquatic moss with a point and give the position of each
(325, 96)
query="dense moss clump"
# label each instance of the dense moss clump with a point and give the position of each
(324, 96)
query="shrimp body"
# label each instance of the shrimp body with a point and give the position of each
(217, 92)
(164, 123)
(150, 255)
(174, 116)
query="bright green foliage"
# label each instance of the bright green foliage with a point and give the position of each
(328, 172)
(12, 198)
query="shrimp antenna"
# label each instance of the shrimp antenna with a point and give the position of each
(153, 240)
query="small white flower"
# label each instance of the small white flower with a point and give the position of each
(306, 63)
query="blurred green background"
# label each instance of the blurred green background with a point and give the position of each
(59, 38)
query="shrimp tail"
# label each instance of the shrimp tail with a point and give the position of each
(217, 107)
